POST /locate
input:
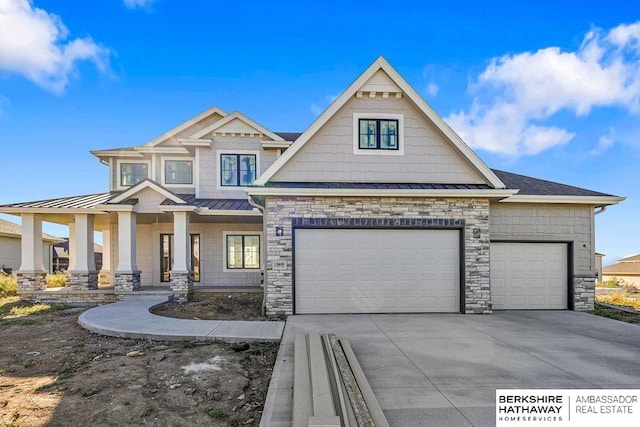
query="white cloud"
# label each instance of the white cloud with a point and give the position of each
(133, 4)
(515, 94)
(33, 43)
(432, 89)
(318, 108)
(604, 143)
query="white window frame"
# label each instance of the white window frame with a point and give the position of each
(219, 154)
(193, 172)
(119, 163)
(226, 250)
(377, 152)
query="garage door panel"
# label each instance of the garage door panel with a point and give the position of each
(529, 275)
(387, 271)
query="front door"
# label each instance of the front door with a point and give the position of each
(166, 256)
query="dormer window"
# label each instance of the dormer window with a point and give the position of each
(178, 172)
(238, 170)
(378, 134)
(133, 173)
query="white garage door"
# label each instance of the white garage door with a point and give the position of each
(529, 275)
(376, 271)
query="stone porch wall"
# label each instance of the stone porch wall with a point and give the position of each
(584, 291)
(281, 211)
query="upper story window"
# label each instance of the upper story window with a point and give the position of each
(378, 134)
(133, 173)
(237, 170)
(178, 172)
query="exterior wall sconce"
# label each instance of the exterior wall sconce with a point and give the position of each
(279, 231)
(476, 233)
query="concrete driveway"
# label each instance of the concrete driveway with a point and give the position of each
(444, 369)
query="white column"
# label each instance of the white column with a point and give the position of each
(127, 242)
(83, 254)
(106, 249)
(72, 246)
(181, 240)
(31, 243)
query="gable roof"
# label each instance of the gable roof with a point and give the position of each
(142, 185)
(624, 266)
(11, 229)
(393, 79)
(236, 115)
(185, 125)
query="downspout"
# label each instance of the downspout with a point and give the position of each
(263, 250)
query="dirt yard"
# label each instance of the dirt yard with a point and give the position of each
(246, 306)
(54, 373)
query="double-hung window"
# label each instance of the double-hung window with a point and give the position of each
(133, 173)
(178, 172)
(243, 251)
(237, 170)
(378, 134)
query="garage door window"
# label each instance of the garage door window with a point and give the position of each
(243, 251)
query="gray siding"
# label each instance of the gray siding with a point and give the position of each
(11, 253)
(208, 164)
(328, 156)
(546, 222)
(211, 254)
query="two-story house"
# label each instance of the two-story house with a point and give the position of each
(377, 207)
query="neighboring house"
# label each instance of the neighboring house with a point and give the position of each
(599, 257)
(627, 269)
(11, 247)
(61, 255)
(377, 207)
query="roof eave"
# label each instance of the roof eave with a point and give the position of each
(573, 200)
(19, 210)
(495, 194)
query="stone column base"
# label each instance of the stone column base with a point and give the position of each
(584, 292)
(181, 285)
(83, 280)
(32, 281)
(126, 281)
(104, 277)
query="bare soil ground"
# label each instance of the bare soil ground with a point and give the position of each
(246, 306)
(54, 373)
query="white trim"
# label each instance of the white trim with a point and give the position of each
(162, 150)
(62, 211)
(228, 212)
(357, 192)
(178, 208)
(190, 142)
(412, 95)
(119, 163)
(276, 144)
(163, 161)
(225, 250)
(185, 125)
(143, 185)
(578, 200)
(236, 115)
(219, 154)
(116, 153)
(196, 172)
(375, 152)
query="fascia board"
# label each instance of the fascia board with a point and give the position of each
(576, 200)
(236, 115)
(94, 210)
(354, 192)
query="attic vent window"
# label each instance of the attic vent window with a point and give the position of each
(378, 134)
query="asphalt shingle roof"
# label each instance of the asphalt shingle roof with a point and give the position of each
(9, 228)
(540, 187)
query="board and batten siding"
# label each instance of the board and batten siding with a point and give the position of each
(212, 249)
(328, 156)
(546, 222)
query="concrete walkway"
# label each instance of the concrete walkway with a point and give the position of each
(131, 318)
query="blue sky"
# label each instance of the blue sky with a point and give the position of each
(547, 88)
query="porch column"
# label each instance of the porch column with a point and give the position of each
(104, 277)
(181, 274)
(127, 275)
(71, 246)
(32, 275)
(84, 274)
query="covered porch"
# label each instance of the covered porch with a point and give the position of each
(155, 242)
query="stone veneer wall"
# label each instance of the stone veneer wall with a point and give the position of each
(282, 211)
(79, 280)
(584, 291)
(31, 281)
(181, 285)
